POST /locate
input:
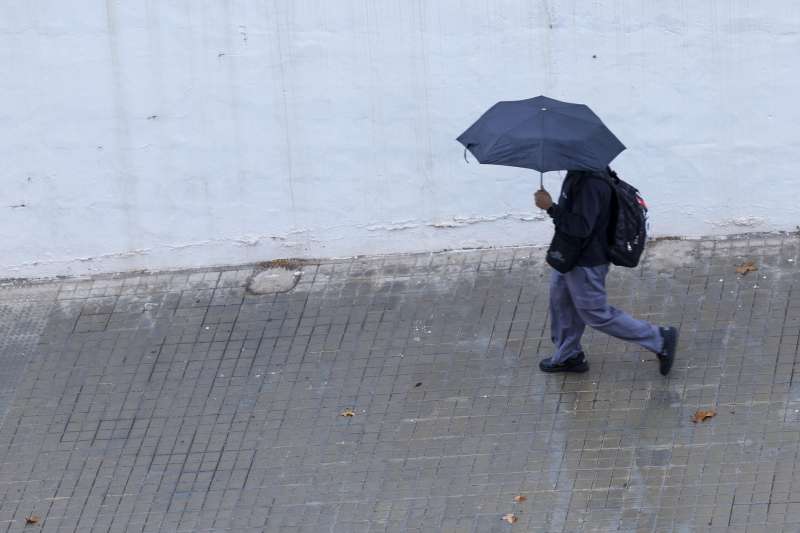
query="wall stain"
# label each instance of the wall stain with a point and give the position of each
(123, 175)
(282, 61)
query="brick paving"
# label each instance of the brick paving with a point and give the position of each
(182, 402)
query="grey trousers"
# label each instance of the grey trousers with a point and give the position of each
(577, 299)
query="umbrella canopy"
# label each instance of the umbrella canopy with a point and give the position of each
(542, 134)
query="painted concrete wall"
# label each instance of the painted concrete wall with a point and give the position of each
(164, 134)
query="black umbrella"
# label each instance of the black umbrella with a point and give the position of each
(542, 134)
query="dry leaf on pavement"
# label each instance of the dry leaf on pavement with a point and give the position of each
(520, 498)
(702, 416)
(348, 412)
(32, 519)
(510, 518)
(747, 266)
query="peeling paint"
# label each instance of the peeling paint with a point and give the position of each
(118, 255)
(455, 222)
(458, 222)
(240, 241)
(739, 222)
(393, 226)
(248, 240)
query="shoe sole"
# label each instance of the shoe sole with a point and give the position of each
(577, 369)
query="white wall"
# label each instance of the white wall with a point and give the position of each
(176, 133)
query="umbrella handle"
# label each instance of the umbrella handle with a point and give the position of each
(541, 181)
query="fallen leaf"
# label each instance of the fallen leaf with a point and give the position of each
(510, 518)
(520, 498)
(747, 266)
(32, 519)
(702, 416)
(348, 412)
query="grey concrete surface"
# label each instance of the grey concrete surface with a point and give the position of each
(182, 402)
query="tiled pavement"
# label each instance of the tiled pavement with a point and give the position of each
(180, 402)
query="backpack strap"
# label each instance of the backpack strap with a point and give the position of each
(611, 179)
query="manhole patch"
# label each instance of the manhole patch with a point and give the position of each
(274, 280)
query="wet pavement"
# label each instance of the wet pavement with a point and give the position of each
(183, 402)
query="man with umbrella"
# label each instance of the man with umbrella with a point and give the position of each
(546, 134)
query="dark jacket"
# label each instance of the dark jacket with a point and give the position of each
(583, 210)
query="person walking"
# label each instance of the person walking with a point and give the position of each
(578, 297)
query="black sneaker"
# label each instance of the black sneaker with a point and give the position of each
(667, 355)
(576, 363)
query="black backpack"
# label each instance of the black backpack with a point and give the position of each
(627, 229)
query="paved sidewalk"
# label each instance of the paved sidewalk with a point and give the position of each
(180, 402)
